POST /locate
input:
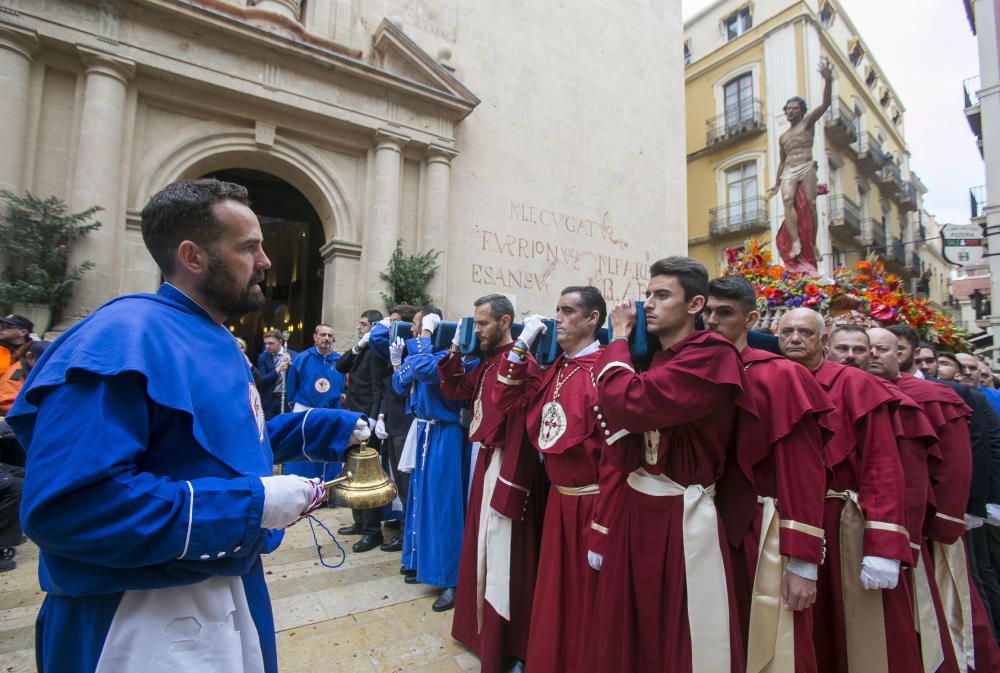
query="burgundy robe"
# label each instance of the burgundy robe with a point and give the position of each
(566, 584)
(863, 458)
(781, 454)
(691, 396)
(518, 495)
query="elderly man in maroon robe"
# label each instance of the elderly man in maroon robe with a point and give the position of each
(781, 454)
(564, 423)
(865, 514)
(496, 573)
(665, 600)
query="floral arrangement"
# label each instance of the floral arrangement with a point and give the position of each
(868, 289)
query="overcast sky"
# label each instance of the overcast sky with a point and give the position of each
(925, 48)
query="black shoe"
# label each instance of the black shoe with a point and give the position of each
(367, 542)
(391, 524)
(24, 538)
(353, 529)
(395, 544)
(404, 571)
(7, 553)
(444, 602)
(7, 564)
(514, 666)
(411, 579)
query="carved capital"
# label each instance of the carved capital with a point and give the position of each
(343, 249)
(386, 139)
(440, 154)
(106, 64)
(19, 41)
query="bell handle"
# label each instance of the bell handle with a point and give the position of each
(347, 476)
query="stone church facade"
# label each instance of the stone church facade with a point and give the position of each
(536, 144)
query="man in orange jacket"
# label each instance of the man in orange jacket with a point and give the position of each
(15, 341)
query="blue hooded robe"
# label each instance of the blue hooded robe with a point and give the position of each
(435, 514)
(145, 443)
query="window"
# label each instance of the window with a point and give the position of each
(738, 100)
(871, 77)
(839, 257)
(827, 12)
(738, 23)
(855, 51)
(687, 53)
(883, 97)
(741, 192)
(858, 121)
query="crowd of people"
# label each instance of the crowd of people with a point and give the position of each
(682, 503)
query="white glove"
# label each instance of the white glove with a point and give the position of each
(457, 339)
(387, 321)
(380, 427)
(371, 423)
(361, 432)
(396, 351)
(430, 322)
(363, 341)
(993, 514)
(287, 498)
(879, 573)
(533, 326)
(972, 521)
(595, 560)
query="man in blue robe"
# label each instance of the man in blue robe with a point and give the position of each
(148, 484)
(313, 382)
(435, 513)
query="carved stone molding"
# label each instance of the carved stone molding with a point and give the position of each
(337, 248)
(108, 64)
(20, 41)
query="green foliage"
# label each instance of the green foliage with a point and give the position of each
(408, 276)
(35, 239)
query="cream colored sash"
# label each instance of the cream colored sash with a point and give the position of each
(927, 622)
(771, 642)
(704, 570)
(951, 573)
(864, 619)
(493, 548)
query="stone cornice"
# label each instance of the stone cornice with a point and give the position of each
(338, 248)
(98, 61)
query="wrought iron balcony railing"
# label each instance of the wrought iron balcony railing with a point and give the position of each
(736, 121)
(841, 123)
(977, 201)
(845, 216)
(874, 233)
(738, 217)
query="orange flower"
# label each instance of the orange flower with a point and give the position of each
(812, 290)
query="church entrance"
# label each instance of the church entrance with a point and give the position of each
(293, 236)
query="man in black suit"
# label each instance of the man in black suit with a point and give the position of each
(366, 374)
(272, 364)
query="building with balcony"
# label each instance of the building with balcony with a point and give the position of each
(743, 61)
(981, 100)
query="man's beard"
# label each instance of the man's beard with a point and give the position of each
(224, 292)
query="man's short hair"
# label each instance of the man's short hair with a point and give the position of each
(848, 329)
(427, 310)
(736, 288)
(929, 346)
(591, 300)
(405, 311)
(322, 324)
(907, 333)
(499, 305)
(37, 348)
(373, 315)
(274, 334)
(800, 100)
(951, 356)
(690, 273)
(185, 211)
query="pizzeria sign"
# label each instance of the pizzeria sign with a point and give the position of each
(962, 244)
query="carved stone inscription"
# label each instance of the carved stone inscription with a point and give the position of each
(563, 249)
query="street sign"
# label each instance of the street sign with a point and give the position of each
(962, 244)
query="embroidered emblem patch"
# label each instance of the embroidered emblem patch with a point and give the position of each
(322, 385)
(257, 410)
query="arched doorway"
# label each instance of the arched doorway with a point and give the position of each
(293, 235)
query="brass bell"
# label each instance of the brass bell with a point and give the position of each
(362, 484)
